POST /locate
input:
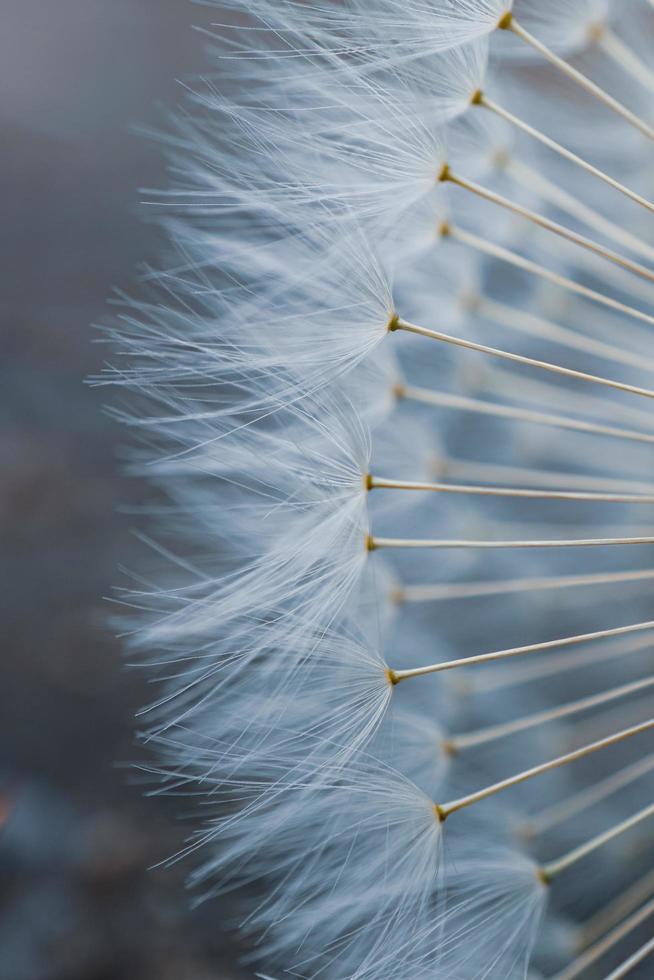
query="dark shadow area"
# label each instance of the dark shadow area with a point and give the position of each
(77, 901)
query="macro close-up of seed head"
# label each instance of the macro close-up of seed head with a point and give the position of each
(394, 387)
(390, 385)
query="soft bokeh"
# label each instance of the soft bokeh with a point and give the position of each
(77, 901)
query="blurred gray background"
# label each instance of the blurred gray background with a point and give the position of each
(77, 77)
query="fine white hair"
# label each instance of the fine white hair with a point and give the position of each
(392, 388)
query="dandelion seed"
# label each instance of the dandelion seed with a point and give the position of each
(393, 390)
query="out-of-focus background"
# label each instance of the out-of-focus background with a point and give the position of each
(77, 837)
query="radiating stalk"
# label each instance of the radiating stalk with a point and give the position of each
(448, 176)
(492, 733)
(501, 380)
(605, 944)
(374, 543)
(385, 483)
(617, 716)
(485, 682)
(566, 861)
(509, 23)
(396, 676)
(504, 315)
(632, 962)
(576, 803)
(444, 810)
(588, 264)
(404, 325)
(537, 183)
(469, 590)
(480, 98)
(500, 472)
(627, 59)
(447, 229)
(443, 399)
(615, 911)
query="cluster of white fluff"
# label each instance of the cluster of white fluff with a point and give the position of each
(394, 390)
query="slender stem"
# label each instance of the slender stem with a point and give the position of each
(510, 23)
(498, 381)
(627, 59)
(520, 262)
(533, 180)
(444, 810)
(620, 715)
(554, 868)
(575, 804)
(543, 222)
(445, 338)
(491, 472)
(508, 316)
(469, 590)
(610, 275)
(481, 99)
(463, 403)
(483, 658)
(605, 944)
(616, 910)
(383, 483)
(496, 528)
(590, 265)
(558, 663)
(375, 543)
(492, 733)
(634, 960)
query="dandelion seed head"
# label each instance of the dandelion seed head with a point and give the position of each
(392, 387)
